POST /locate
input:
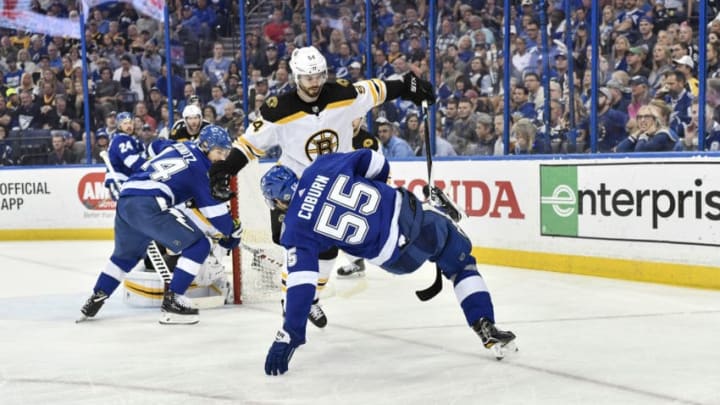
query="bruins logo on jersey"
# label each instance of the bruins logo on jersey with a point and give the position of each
(321, 143)
(272, 102)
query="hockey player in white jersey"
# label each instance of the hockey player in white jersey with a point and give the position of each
(313, 120)
(188, 128)
(343, 200)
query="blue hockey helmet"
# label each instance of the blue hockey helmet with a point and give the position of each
(123, 116)
(213, 136)
(279, 183)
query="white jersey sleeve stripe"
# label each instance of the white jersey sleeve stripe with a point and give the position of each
(469, 286)
(150, 185)
(112, 270)
(393, 234)
(214, 211)
(130, 160)
(297, 278)
(188, 266)
(377, 162)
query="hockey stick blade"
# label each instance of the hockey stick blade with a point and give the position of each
(434, 289)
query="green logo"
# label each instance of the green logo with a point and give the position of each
(558, 200)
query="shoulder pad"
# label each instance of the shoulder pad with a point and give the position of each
(339, 91)
(276, 108)
(365, 140)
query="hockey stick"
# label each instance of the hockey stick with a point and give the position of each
(435, 288)
(153, 251)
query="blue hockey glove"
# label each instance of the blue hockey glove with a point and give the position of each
(280, 353)
(232, 241)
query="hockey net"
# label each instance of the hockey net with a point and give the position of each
(257, 271)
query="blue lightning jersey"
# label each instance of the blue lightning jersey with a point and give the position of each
(342, 200)
(177, 174)
(127, 155)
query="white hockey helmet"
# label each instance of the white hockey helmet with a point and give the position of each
(192, 111)
(307, 61)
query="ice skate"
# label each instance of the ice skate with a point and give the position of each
(355, 268)
(177, 310)
(93, 305)
(499, 341)
(317, 316)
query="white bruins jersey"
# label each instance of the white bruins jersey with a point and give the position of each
(306, 130)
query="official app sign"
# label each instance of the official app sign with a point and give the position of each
(669, 202)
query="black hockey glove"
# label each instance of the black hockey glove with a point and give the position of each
(221, 172)
(440, 201)
(417, 90)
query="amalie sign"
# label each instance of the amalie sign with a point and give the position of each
(92, 193)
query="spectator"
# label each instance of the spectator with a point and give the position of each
(618, 90)
(178, 84)
(151, 61)
(27, 113)
(463, 129)
(154, 105)
(6, 114)
(6, 150)
(410, 131)
(675, 95)
(281, 83)
(685, 65)
(485, 142)
(522, 104)
(661, 63)
(442, 146)
(130, 77)
(141, 113)
(110, 127)
(275, 28)
(59, 155)
(269, 63)
(611, 127)
(647, 36)
(13, 73)
(689, 136)
(618, 57)
(651, 135)
(107, 91)
(356, 72)
(524, 133)
(393, 146)
(227, 120)
(640, 95)
(202, 86)
(383, 69)
(216, 67)
(259, 100)
(102, 141)
(209, 114)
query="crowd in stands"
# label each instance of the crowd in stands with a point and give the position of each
(647, 95)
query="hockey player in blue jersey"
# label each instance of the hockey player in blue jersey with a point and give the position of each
(342, 200)
(126, 153)
(145, 213)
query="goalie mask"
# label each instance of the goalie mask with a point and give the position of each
(278, 185)
(215, 142)
(309, 70)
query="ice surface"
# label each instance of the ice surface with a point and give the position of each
(582, 340)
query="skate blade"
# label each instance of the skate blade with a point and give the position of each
(83, 318)
(175, 319)
(500, 351)
(355, 274)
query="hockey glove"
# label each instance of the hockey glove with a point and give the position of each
(232, 241)
(220, 184)
(280, 353)
(417, 90)
(440, 201)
